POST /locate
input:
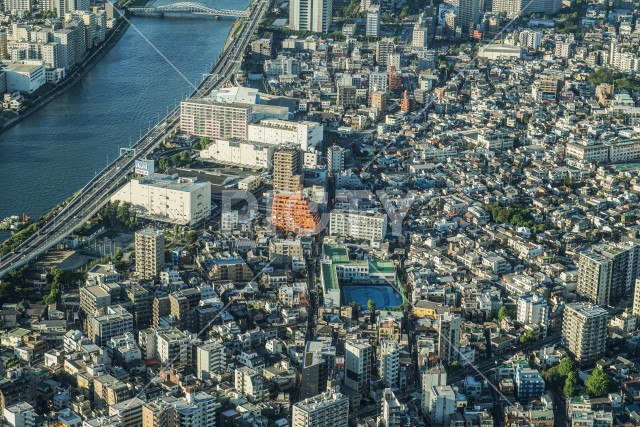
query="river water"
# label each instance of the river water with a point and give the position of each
(47, 157)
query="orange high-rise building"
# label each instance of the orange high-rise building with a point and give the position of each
(407, 103)
(293, 212)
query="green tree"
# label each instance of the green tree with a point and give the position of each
(192, 237)
(567, 366)
(54, 295)
(164, 163)
(502, 313)
(371, 305)
(571, 387)
(598, 383)
(203, 143)
(404, 12)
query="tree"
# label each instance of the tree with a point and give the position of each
(203, 143)
(192, 237)
(371, 305)
(571, 387)
(598, 383)
(54, 295)
(165, 163)
(502, 313)
(567, 366)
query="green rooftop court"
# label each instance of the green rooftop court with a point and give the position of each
(336, 253)
(329, 276)
(383, 267)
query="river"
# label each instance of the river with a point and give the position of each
(47, 157)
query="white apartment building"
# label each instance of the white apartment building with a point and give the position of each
(20, 415)
(373, 21)
(310, 15)
(210, 357)
(449, 337)
(249, 382)
(235, 152)
(172, 346)
(324, 410)
(115, 322)
(584, 329)
(389, 363)
(533, 310)
(281, 132)
(181, 200)
(371, 226)
(442, 403)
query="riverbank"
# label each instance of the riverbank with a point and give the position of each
(75, 77)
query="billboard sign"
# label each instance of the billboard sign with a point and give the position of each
(144, 167)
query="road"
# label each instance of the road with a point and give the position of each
(487, 367)
(99, 190)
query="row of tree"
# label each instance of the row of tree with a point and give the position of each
(565, 377)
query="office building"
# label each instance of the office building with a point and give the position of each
(357, 365)
(24, 76)
(373, 21)
(420, 36)
(370, 226)
(584, 329)
(389, 363)
(530, 40)
(237, 152)
(317, 367)
(449, 337)
(329, 409)
(280, 132)
(335, 159)
(165, 198)
(249, 382)
(533, 310)
(210, 358)
(115, 322)
(310, 15)
(149, 247)
(20, 415)
(215, 120)
(468, 15)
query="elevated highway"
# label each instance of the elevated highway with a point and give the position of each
(99, 190)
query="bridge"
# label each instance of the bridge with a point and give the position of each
(188, 8)
(99, 190)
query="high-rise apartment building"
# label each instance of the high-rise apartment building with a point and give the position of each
(373, 21)
(115, 322)
(371, 226)
(72, 45)
(533, 310)
(335, 159)
(249, 382)
(584, 329)
(317, 367)
(607, 273)
(203, 117)
(468, 15)
(329, 409)
(210, 358)
(436, 376)
(149, 246)
(358, 358)
(287, 170)
(389, 363)
(393, 413)
(384, 48)
(449, 337)
(310, 15)
(636, 299)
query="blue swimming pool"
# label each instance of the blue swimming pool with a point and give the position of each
(385, 296)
